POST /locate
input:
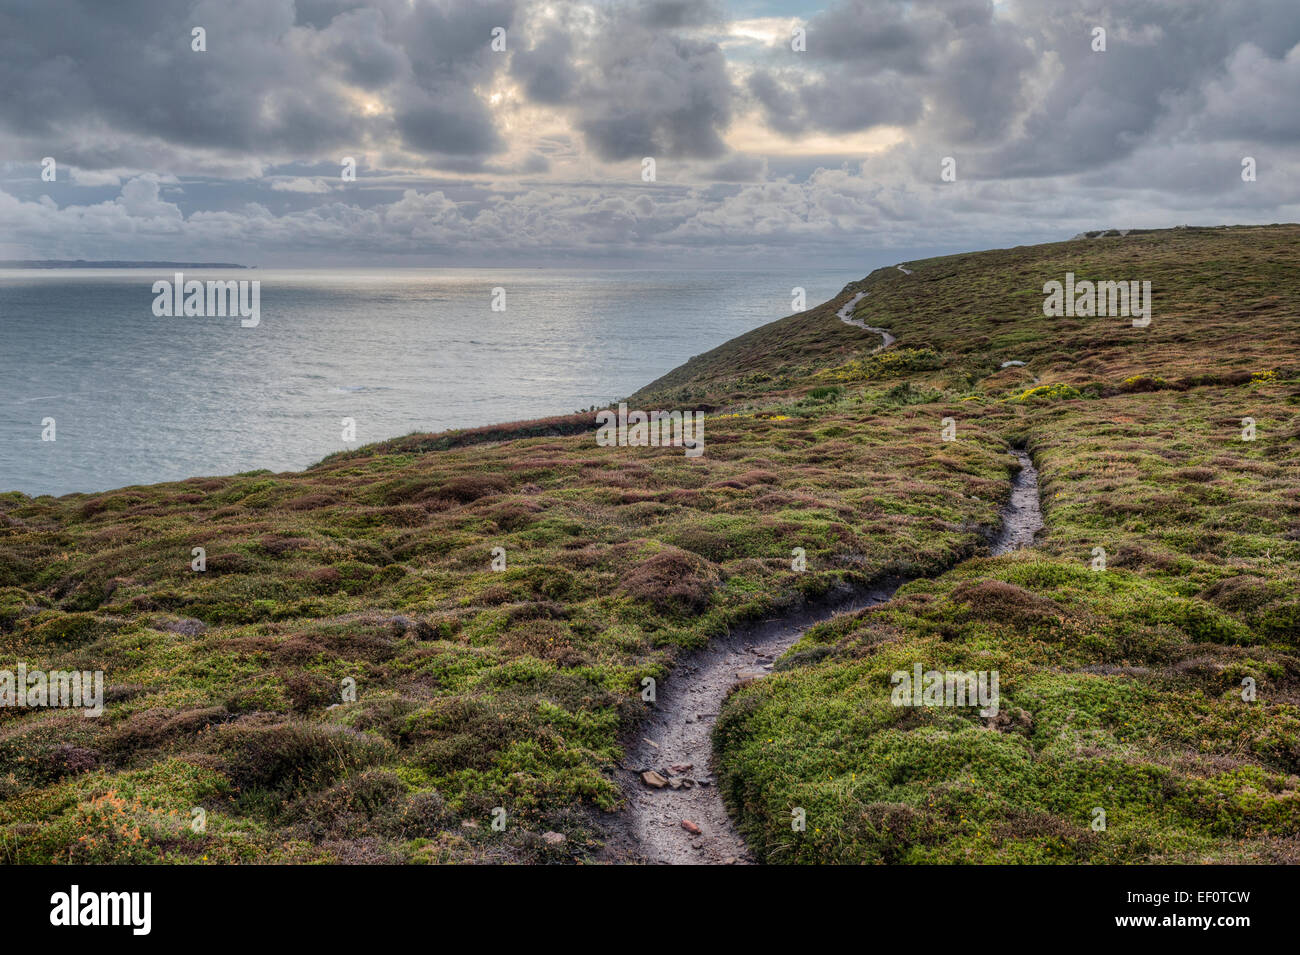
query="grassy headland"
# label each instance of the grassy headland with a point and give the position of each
(479, 688)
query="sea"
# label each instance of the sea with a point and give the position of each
(99, 392)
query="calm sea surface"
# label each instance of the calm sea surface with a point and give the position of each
(138, 399)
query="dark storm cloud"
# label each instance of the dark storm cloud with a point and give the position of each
(980, 86)
(781, 101)
(356, 40)
(795, 104)
(67, 65)
(684, 95)
(444, 122)
(447, 47)
(274, 80)
(278, 80)
(1023, 94)
(635, 82)
(880, 34)
(1018, 88)
(673, 13)
(209, 155)
(1192, 70)
(546, 70)
(878, 62)
(656, 94)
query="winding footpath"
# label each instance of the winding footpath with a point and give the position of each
(675, 814)
(845, 315)
(676, 741)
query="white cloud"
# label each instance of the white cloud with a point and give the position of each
(300, 184)
(96, 178)
(477, 157)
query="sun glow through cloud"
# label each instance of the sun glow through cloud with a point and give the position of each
(751, 139)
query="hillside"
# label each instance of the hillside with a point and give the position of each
(478, 688)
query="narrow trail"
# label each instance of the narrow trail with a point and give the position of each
(676, 741)
(1022, 518)
(845, 315)
(675, 814)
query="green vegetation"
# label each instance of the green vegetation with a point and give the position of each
(475, 688)
(1120, 689)
(479, 688)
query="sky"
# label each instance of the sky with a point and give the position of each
(535, 154)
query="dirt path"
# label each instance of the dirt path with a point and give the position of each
(675, 814)
(845, 315)
(1022, 518)
(676, 741)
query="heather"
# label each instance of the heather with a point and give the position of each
(350, 679)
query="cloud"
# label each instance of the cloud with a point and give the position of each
(300, 184)
(546, 70)
(874, 63)
(740, 168)
(1018, 91)
(269, 85)
(1165, 62)
(141, 199)
(533, 153)
(674, 13)
(93, 178)
(832, 216)
(632, 82)
(1254, 99)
